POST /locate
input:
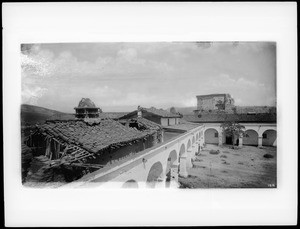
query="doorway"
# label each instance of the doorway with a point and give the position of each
(229, 140)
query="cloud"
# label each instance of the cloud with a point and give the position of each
(158, 74)
(189, 102)
(32, 95)
(244, 91)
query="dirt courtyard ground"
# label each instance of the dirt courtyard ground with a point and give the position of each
(245, 167)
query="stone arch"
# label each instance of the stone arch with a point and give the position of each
(197, 136)
(182, 161)
(155, 174)
(269, 137)
(211, 136)
(182, 149)
(250, 137)
(130, 184)
(193, 140)
(189, 144)
(171, 172)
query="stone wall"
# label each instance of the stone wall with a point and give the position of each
(250, 138)
(210, 136)
(269, 139)
(224, 102)
(215, 102)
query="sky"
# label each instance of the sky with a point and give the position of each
(121, 76)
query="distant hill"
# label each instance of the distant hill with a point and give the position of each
(184, 110)
(31, 115)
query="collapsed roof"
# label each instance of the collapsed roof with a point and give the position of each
(86, 137)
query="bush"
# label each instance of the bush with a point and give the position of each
(191, 176)
(185, 185)
(215, 152)
(268, 156)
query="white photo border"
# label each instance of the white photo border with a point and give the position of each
(178, 21)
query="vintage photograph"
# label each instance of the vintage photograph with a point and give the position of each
(184, 115)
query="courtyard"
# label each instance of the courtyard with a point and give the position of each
(224, 167)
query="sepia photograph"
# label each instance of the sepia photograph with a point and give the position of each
(155, 115)
(150, 114)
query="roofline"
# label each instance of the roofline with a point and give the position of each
(202, 96)
(173, 115)
(133, 112)
(232, 121)
(86, 107)
(128, 114)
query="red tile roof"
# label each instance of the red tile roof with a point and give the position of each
(222, 117)
(115, 115)
(143, 123)
(92, 135)
(158, 112)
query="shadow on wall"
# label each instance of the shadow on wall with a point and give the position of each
(130, 184)
(155, 175)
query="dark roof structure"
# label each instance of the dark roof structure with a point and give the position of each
(86, 103)
(154, 111)
(85, 137)
(142, 123)
(92, 135)
(115, 115)
(223, 117)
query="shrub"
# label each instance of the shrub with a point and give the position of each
(268, 156)
(225, 163)
(215, 152)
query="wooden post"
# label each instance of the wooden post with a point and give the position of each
(57, 150)
(65, 151)
(48, 148)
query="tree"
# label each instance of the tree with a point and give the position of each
(220, 105)
(173, 110)
(233, 129)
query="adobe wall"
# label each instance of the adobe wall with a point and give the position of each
(209, 103)
(168, 121)
(172, 121)
(251, 138)
(210, 136)
(270, 139)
